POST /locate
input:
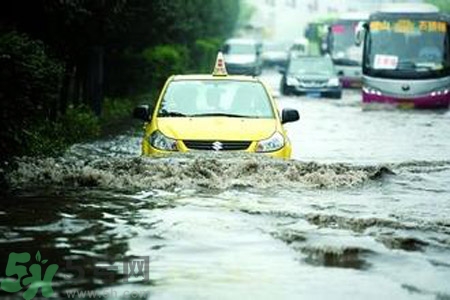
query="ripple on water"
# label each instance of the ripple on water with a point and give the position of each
(351, 257)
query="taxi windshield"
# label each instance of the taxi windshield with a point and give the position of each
(203, 98)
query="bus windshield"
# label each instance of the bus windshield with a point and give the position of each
(407, 48)
(343, 49)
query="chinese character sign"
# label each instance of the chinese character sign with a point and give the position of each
(388, 62)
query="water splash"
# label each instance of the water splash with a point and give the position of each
(212, 172)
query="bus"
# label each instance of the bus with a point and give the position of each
(406, 57)
(316, 33)
(346, 56)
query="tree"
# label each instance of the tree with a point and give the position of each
(443, 5)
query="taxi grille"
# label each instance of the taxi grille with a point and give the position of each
(217, 145)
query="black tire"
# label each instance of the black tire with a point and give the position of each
(336, 95)
(285, 90)
(258, 71)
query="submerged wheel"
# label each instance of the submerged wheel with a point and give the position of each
(285, 90)
(336, 95)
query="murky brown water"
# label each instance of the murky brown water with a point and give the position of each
(361, 212)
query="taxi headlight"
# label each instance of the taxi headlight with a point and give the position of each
(162, 142)
(275, 142)
(333, 82)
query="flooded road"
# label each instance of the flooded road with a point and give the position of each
(361, 212)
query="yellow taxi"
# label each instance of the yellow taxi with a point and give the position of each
(217, 112)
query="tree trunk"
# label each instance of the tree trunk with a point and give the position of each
(95, 79)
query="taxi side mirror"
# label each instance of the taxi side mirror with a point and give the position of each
(289, 115)
(142, 112)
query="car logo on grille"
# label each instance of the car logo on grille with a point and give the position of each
(405, 87)
(217, 146)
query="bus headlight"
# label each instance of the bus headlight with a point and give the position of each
(275, 142)
(371, 91)
(161, 142)
(440, 92)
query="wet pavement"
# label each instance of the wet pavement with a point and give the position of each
(360, 212)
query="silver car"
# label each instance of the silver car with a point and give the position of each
(242, 56)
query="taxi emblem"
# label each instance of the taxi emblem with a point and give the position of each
(217, 146)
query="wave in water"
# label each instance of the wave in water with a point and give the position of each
(187, 172)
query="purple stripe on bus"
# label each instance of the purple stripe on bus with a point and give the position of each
(438, 101)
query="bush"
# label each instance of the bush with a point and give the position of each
(164, 61)
(115, 108)
(51, 138)
(204, 54)
(79, 124)
(29, 85)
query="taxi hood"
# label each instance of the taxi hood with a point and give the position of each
(217, 128)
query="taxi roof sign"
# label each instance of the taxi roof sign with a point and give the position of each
(219, 68)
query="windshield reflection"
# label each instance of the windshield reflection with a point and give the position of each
(203, 98)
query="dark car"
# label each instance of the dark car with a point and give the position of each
(243, 56)
(311, 75)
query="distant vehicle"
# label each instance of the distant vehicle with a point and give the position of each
(340, 45)
(274, 54)
(299, 47)
(215, 113)
(311, 75)
(243, 56)
(316, 33)
(406, 57)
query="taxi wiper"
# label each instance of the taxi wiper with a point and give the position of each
(165, 113)
(220, 115)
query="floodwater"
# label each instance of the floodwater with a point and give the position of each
(361, 212)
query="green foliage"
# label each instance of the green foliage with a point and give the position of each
(118, 108)
(198, 25)
(164, 61)
(79, 124)
(51, 57)
(204, 54)
(47, 137)
(29, 85)
(443, 5)
(247, 10)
